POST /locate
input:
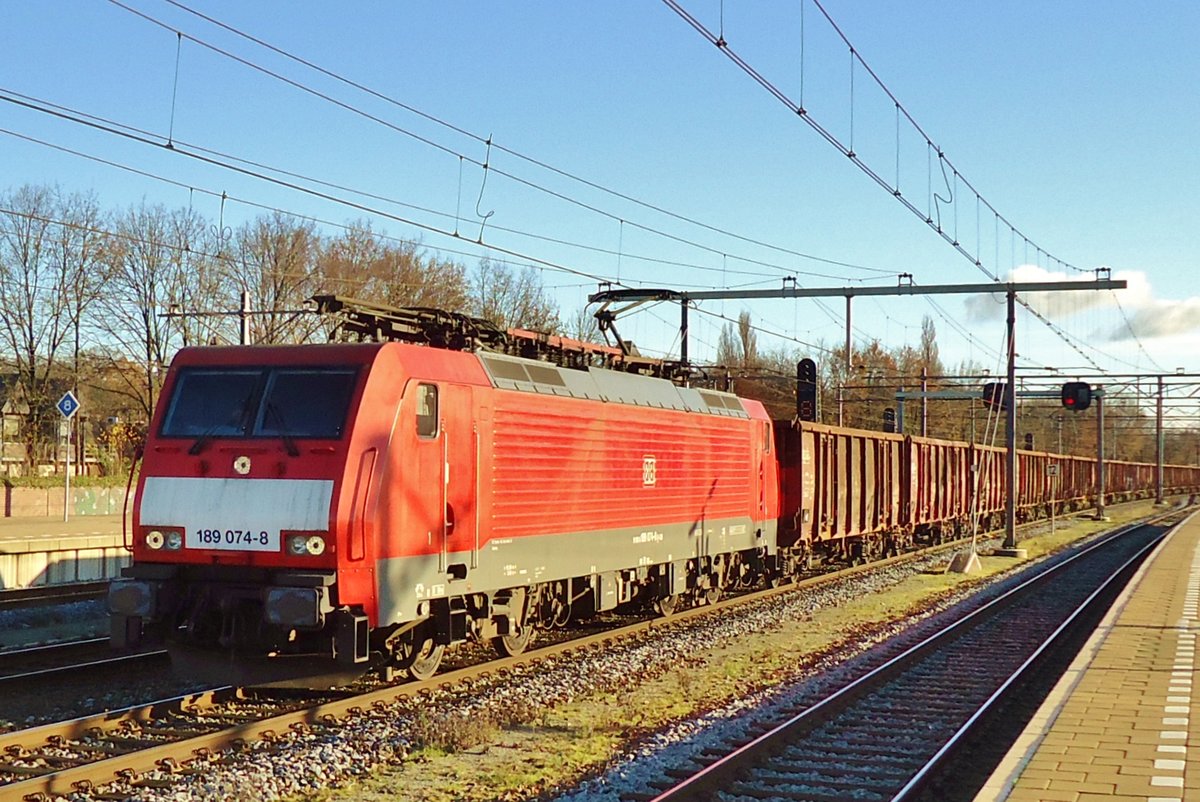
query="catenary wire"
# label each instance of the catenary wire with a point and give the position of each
(485, 165)
(510, 151)
(833, 140)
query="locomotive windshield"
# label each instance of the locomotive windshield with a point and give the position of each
(288, 402)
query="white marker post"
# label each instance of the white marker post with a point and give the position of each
(1052, 472)
(67, 406)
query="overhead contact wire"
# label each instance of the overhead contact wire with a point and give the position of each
(510, 151)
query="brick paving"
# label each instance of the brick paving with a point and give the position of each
(1117, 726)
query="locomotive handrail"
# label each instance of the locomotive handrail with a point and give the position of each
(126, 540)
(447, 523)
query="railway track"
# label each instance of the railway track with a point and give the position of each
(87, 752)
(83, 753)
(891, 734)
(42, 595)
(19, 668)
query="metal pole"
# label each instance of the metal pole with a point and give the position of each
(1100, 484)
(1053, 497)
(683, 332)
(924, 402)
(1158, 446)
(842, 404)
(67, 483)
(1010, 437)
(900, 413)
(245, 339)
(848, 360)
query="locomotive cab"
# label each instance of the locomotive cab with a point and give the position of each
(235, 518)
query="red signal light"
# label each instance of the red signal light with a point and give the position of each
(1077, 396)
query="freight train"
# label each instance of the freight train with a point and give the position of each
(370, 504)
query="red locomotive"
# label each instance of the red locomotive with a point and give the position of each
(389, 499)
(375, 502)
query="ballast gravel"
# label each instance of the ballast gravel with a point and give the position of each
(29, 626)
(330, 756)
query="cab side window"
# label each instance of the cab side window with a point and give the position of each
(427, 410)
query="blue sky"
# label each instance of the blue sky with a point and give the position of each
(1076, 121)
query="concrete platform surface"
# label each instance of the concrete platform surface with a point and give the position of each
(18, 535)
(1118, 724)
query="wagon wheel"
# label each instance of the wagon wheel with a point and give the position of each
(512, 645)
(417, 654)
(712, 595)
(666, 605)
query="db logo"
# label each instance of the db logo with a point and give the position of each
(649, 471)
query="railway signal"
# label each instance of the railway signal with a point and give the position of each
(994, 395)
(1077, 396)
(806, 390)
(889, 420)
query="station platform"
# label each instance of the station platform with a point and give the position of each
(1118, 724)
(47, 551)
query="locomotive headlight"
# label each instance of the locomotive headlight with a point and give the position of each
(174, 540)
(297, 545)
(154, 539)
(315, 545)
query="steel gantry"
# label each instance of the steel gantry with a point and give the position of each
(631, 298)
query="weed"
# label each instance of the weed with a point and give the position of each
(452, 732)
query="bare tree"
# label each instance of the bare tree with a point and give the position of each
(78, 250)
(511, 300)
(48, 248)
(363, 264)
(204, 299)
(275, 260)
(583, 326)
(149, 273)
(929, 350)
(738, 346)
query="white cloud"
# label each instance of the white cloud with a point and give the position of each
(1148, 317)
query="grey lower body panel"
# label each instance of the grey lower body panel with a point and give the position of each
(405, 582)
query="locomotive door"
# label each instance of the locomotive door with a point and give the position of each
(422, 465)
(460, 449)
(441, 510)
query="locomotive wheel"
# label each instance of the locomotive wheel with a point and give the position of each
(666, 605)
(426, 659)
(712, 595)
(419, 655)
(512, 645)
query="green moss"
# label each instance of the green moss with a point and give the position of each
(43, 482)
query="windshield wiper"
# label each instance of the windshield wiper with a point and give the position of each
(204, 438)
(238, 414)
(289, 442)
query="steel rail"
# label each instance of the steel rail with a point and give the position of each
(46, 594)
(707, 778)
(26, 651)
(923, 775)
(66, 670)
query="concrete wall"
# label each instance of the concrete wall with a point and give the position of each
(35, 501)
(76, 560)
